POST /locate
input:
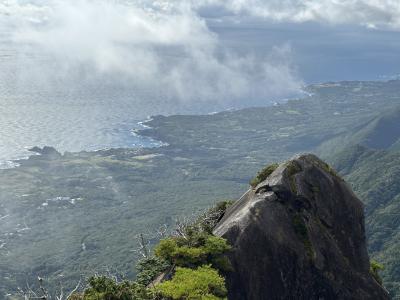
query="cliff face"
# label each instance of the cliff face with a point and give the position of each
(299, 235)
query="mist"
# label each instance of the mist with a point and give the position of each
(89, 68)
(166, 50)
(162, 52)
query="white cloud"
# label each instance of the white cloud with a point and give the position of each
(165, 48)
(13, 12)
(369, 13)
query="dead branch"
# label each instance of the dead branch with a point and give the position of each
(43, 293)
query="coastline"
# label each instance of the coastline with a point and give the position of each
(147, 143)
(147, 130)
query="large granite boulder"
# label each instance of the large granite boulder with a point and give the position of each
(299, 235)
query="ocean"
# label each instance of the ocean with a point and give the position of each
(41, 105)
(70, 115)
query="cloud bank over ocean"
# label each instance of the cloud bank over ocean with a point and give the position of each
(166, 48)
(370, 13)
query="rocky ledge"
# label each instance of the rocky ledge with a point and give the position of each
(299, 234)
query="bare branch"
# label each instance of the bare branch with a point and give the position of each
(144, 246)
(162, 231)
(74, 290)
(43, 293)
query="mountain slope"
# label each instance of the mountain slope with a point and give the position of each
(369, 158)
(374, 175)
(381, 132)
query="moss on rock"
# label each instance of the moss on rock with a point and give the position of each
(263, 174)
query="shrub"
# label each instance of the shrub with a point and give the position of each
(327, 168)
(209, 250)
(194, 260)
(166, 249)
(209, 219)
(189, 256)
(201, 283)
(106, 288)
(149, 268)
(180, 255)
(374, 269)
(205, 222)
(215, 246)
(292, 168)
(263, 174)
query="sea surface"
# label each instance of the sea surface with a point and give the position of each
(71, 115)
(38, 106)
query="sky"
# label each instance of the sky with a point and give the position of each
(205, 50)
(79, 74)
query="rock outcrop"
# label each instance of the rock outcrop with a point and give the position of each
(46, 152)
(299, 235)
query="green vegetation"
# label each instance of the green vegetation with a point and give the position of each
(111, 196)
(329, 169)
(301, 231)
(195, 245)
(300, 227)
(206, 221)
(373, 175)
(370, 161)
(375, 267)
(201, 283)
(150, 267)
(293, 168)
(189, 263)
(263, 174)
(106, 288)
(203, 249)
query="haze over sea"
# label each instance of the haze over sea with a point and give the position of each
(74, 108)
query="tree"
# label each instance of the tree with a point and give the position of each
(201, 283)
